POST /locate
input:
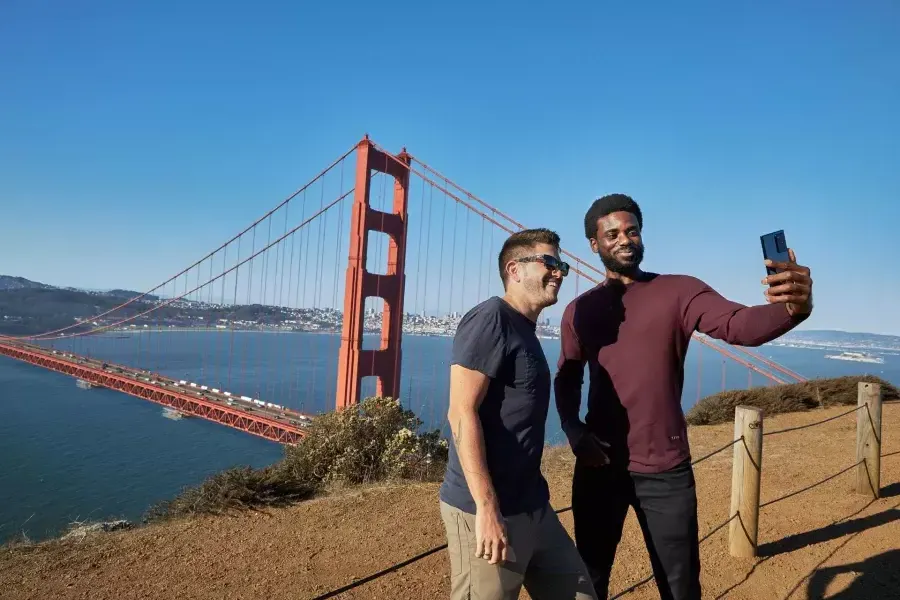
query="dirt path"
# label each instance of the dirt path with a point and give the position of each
(823, 543)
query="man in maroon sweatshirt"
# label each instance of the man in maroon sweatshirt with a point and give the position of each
(633, 330)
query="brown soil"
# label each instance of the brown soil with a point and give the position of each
(827, 538)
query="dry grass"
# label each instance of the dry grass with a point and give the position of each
(779, 399)
(827, 542)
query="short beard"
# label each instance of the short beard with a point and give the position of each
(537, 289)
(612, 264)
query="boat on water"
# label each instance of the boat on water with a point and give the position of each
(857, 357)
(175, 415)
(82, 384)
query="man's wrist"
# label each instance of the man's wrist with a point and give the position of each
(799, 312)
(575, 430)
(489, 503)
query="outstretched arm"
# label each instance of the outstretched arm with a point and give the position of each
(790, 303)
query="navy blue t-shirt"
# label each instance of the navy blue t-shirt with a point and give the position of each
(500, 342)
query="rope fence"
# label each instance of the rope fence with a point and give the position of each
(808, 425)
(746, 479)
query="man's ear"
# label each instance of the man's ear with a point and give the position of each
(595, 246)
(512, 271)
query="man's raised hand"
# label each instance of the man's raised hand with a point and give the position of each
(792, 285)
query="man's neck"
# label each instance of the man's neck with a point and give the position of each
(524, 306)
(625, 278)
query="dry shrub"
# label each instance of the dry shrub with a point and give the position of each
(375, 441)
(796, 397)
(236, 488)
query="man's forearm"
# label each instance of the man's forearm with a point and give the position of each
(757, 325)
(567, 391)
(710, 313)
(468, 436)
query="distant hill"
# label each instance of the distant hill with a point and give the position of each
(28, 307)
(8, 282)
(837, 336)
(846, 339)
(26, 311)
(128, 295)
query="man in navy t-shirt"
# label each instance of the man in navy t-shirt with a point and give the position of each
(501, 531)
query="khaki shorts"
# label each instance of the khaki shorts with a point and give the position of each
(541, 557)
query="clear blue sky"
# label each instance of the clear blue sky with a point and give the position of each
(133, 139)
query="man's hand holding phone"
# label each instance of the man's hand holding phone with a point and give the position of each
(791, 285)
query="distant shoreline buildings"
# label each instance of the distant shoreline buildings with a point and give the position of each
(191, 315)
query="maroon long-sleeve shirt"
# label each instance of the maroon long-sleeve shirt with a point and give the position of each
(634, 340)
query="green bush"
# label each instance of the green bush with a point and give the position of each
(776, 399)
(372, 442)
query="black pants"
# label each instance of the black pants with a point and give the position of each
(666, 508)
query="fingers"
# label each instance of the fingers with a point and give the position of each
(788, 276)
(498, 548)
(789, 288)
(491, 543)
(788, 293)
(790, 265)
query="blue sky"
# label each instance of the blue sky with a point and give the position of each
(134, 138)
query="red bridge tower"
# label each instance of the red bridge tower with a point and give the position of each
(354, 363)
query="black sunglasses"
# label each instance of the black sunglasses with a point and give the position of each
(551, 262)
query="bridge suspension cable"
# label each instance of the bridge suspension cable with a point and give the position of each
(264, 316)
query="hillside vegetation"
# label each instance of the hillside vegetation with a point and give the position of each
(777, 399)
(376, 441)
(30, 307)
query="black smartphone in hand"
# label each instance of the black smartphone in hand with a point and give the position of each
(775, 248)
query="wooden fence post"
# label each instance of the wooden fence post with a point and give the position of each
(746, 472)
(868, 439)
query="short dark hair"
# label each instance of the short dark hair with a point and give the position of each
(607, 205)
(519, 243)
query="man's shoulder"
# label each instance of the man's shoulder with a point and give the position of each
(490, 309)
(586, 297)
(671, 284)
(485, 318)
(679, 282)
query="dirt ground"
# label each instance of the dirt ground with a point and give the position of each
(826, 542)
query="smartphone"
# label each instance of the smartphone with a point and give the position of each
(774, 247)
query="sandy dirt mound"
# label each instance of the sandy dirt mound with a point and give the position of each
(822, 543)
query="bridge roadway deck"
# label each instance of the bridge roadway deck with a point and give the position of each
(279, 425)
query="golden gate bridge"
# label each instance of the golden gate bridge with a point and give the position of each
(414, 246)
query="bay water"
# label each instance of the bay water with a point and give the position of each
(68, 454)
